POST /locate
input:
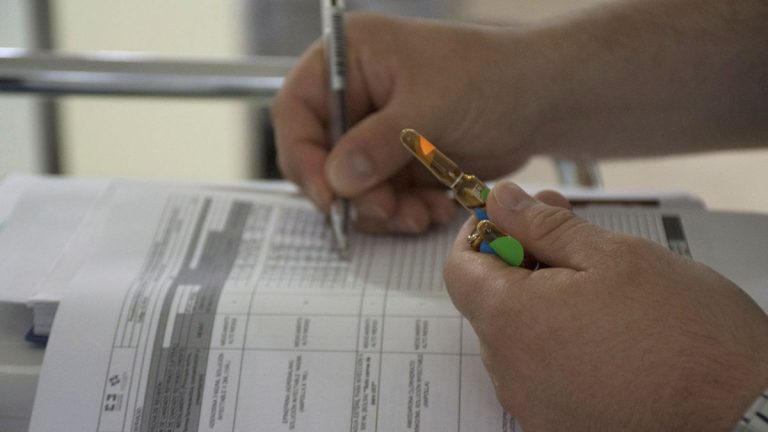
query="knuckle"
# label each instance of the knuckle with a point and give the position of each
(282, 163)
(550, 224)
(626, 253)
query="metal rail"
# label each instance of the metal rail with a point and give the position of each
(578, 172)
(125, 74)
(134, 74)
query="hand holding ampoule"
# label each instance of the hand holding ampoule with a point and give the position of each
(471, 193)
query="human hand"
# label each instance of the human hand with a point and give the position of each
(447, 81)
(618, 334)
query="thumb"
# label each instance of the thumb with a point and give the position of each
(368, 154)
(555, 235)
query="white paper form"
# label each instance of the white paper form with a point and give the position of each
(44, 214)
(231, 312)
(220, 312)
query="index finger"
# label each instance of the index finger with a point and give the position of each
(299, 112)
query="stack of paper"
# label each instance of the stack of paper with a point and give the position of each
(221, 308)
(39, 249)
(207, 310)
(41, 217)
(40, 253)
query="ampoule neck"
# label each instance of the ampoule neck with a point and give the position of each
(470, 191)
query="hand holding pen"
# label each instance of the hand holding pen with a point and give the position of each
(388, 87)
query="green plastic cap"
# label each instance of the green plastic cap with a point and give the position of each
(484, 194)
(508, 249)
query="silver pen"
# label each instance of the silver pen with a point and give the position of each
(336, 62)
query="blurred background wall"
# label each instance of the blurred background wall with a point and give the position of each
(153, 137)
(20, 140)
(162, 138)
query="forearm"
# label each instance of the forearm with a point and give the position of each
(650, 77)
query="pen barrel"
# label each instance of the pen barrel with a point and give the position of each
(334, 45)
(338, 115)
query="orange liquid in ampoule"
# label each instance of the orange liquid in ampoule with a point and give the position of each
(467, 189)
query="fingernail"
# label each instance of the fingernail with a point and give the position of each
(510, 196)
(350, 168)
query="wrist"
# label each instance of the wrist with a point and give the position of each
(524, 74)
(549, 87)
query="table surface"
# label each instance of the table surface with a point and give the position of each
(20, 361)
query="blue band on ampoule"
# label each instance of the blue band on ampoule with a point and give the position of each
(486, 248)
(480, 214)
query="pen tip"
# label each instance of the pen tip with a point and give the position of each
(344, 253)
(342, 248)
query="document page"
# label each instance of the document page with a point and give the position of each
(221, 312)
(45, 214)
